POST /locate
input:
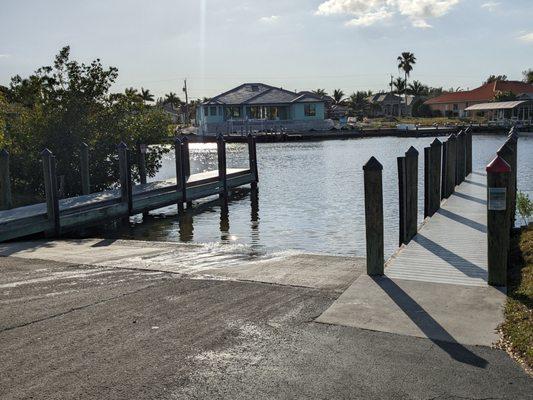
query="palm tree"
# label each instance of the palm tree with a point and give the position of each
(417, 88)
(338, 94)
(146, 95)
(131, 92)
(405, 62)
(172, 99)
(320, 92)
(399, 85)
(358, 102)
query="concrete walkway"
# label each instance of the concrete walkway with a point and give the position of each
(436, 286)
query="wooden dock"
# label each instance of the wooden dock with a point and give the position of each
(60, 215)
(451, 247)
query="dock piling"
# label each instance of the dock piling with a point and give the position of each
(433, 192)
(141, 162)
(51, 192)
(461, 158)
(125, 176)
(411, 193)
(512, 142)
(6, 199)
(181, 179)
(84, 169)
(372, 171)
(222, 176)
(451, 154)
(498, 220)
(468, 161)
(252, 156)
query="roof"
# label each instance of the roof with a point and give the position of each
(498, 105)
(382, 97)
(483, 93)
(260, 93)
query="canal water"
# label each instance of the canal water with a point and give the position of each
(310, 198)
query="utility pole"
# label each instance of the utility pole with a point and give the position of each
(391, 79)
(186, 101)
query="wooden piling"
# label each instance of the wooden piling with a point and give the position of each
(125, 176)
(461, 158)
(468, 161)
(221, 152)
(401, 201)
(507, 154)
(426, 180)
(181, 180)
(512, 141)
(411, 193)
(84, 169)
(186, 156)
(374, 217)
(252, 156)
(141, 163)
(498, 220)
(450, 165)
(434, 177)
(443, 170)
(6, 198)
(51, 192)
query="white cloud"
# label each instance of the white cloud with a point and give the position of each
(5, 55)
(370, 18)
(269, 20)
(528, 37)
(368, 12)
(490, 6)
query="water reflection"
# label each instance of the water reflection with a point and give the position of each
(186, 225)
(254, 214)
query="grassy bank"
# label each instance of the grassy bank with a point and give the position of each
(517, 330)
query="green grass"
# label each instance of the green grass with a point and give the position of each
(517, 330)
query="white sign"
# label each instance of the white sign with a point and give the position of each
(497, 199)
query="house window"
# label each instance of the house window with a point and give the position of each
(213, 110)
(206, 111)
(310, 110)
(233, 112)
(455, 107)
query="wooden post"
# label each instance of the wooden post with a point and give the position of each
(401, 201)
(6, 199)
(443, 170)
(252, 155)
(411, 193)
(512, 141)
(181, 179)
(461, 158)
(374, 217)
(125, 176)
(433, 181)
(426, 180)
(468, 167)
(451, 154)
(141, 162)
(506, 153)
(84, 169)
(50, 189)
(186, 156)
(221, 152)
(498, 220)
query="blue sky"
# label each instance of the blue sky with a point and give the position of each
(296, 44)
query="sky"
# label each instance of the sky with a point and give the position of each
(294, 44)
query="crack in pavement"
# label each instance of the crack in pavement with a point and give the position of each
(10, 328)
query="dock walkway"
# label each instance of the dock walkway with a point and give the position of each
(92, 208)
(436, 285)
(452, 246)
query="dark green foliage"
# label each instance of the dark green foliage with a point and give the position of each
(63, 105)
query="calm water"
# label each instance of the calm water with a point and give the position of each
(310, 197)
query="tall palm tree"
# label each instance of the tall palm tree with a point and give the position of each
(172, 99)
(146, 95)
(320, 92)
(417, 88)
(338, 95)
(359, 103)
(405, 63)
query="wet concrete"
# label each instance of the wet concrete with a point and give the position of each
(73, 331)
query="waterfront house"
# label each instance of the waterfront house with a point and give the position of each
(454, 104)
(261, 107)
(387, 104)
(505, 113)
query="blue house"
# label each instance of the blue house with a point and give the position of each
(259, 107)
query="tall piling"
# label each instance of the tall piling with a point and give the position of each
(372, 171)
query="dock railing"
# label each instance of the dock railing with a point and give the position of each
(60, 215)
